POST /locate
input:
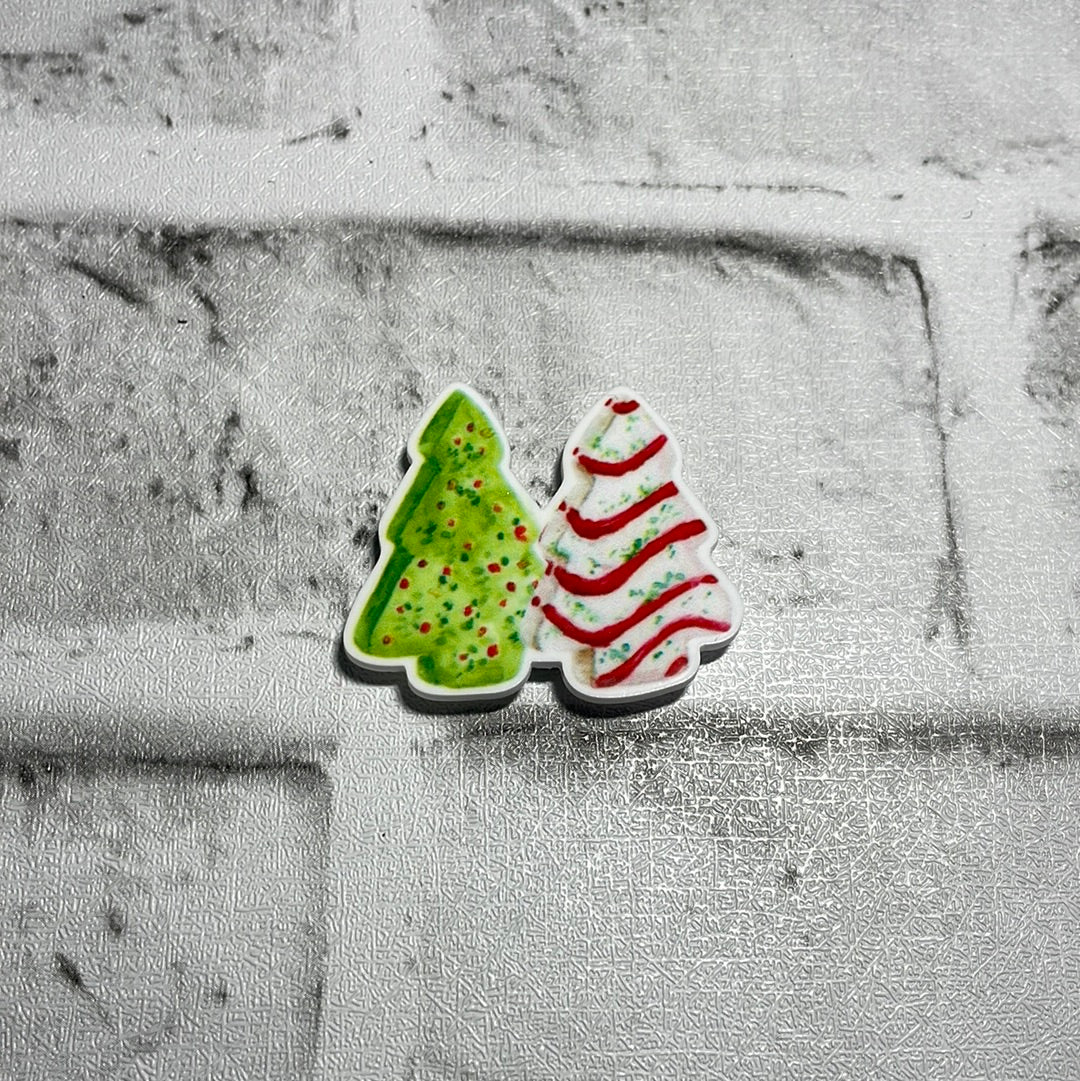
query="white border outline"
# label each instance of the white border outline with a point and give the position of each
(641, 694)
(430, 692)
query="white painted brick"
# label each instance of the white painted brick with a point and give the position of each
(283, 66)
(707, 903)
(160, 921)
(1013, 459)
(657, 90)
(218, 465)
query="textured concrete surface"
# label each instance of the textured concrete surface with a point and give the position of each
(160, 921)
(658, 89)
(698, 903)
(244, 400)
(632, 89)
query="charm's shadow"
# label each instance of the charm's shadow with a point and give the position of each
(490, 713)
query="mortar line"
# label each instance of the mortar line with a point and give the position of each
(956, 601)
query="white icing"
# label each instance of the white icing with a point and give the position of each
(613, 437)
(708, 601)
(593, 558)
(679, 563)
(601, 497)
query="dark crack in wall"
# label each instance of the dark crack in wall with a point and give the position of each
(164, 917)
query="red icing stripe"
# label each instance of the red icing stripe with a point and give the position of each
(594, 528)
(627, 465)
(609, 633)
(624, 407)
(626, 669)
(595, 587)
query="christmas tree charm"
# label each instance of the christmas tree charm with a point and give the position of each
(630, 596)
(458, 563)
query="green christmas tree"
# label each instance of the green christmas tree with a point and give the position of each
(458, 564)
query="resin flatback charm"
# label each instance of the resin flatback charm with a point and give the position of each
(630, 596)
(458, 563)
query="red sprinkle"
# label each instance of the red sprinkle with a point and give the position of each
(493, 651)
(386, 639)
(519, 533)
(511, 586)
(467, 545)
(468, 609)
(400, 608)
(462, 656)
(535, 602)
(494, 568)
(422, 563)
(497, 508)
(469, 427)
(446, 570)
(481, 632)
(403, 584)
(562, 505)
(477, 483)
(450, 521)
(457, 442)
(425, 627)
(502, 603)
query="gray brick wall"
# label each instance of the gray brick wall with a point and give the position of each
(161, 918)
(837, 253)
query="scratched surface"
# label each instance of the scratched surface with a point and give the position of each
(700, 903)
(244, 400)
(821, 861)
(160, 922)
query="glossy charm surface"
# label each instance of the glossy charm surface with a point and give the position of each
(458, 562)
(630, 597)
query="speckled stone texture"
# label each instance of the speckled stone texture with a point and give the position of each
(205, 428)
(648, 90)
(160, 921)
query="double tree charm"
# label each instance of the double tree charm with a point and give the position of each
(614, 582)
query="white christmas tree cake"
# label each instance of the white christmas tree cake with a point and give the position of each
(458, 562)
(630, 596)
